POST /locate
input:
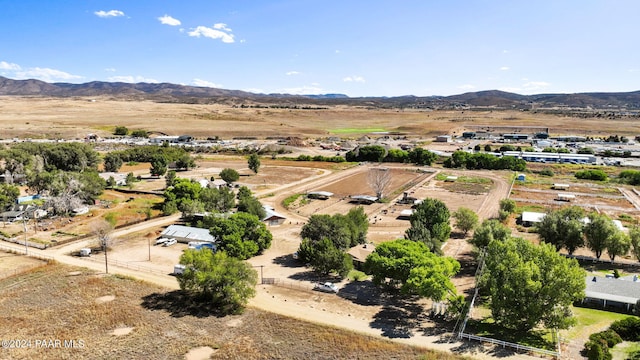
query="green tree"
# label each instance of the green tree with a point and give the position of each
(219, 200)
(619, 244)
(563, 228)
(598, 233)
(508, 205)
(531, 285)
(170, 178)
(324, 257)
(121, 131)
(410, 266)
(322, 226)
(229, 175)
(112, 162)
(466, 219)
(420, 233)
(130, 179)
(8, 195)
(254, 162)
(240, 235)
(420, 156)
(185, 162)
(251, 205)
(434, 215)
(487, 147)
(158, 166)
(140, 133)
(634, 237)
(225, 282)
(488, 231)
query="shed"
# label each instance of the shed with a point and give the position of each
(405, 214)
(565, 197)
(443, 138)
(560, 186)
(322, 195)
(530, 218)
(185, 234)
(611, 292)
(272, 217)
(521, 177)
(363, 199)
(217, 183)
(359, 254)
(451, 178)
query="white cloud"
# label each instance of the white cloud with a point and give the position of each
(505, 51)
(255, 90)
(293, 73)
(9, 66)
(132, 79)
(527, 88)
(45, 74)
(221, 26)
(359, 79)
(466, 87)
(205, 83)
(505, 68)
(110, 69)
(168, 20)
(217, 32)
(110, 13)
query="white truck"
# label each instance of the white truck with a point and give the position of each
(178, 269)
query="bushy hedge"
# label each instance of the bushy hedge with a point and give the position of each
(631, 177)
(461, 159)
(597, 175)
(335, 159)
(627, 329)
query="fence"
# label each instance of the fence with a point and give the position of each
(126, 265)
(287, 284)
(504, 344)
(24, 251)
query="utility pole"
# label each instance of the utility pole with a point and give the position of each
(26, 244)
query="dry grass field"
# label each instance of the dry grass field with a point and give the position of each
(36, 117)
(114, 317)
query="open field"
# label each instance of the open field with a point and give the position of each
(114, 317)
(36, 117)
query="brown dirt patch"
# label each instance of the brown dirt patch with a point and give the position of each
(52, 305)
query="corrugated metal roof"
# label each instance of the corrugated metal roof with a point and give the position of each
(188, 233)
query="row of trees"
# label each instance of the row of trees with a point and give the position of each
(378, 153)
(462, 159)
(570, 228)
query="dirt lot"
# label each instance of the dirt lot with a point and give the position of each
(114, 317)
(33, 117)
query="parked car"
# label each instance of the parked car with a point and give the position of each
(161, 241)
(326, 287)
(178, 269)
(170, 242)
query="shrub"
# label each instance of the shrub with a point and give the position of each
(597, 351)
(546, 172)
(627, 328)
(609, 337)
(597, 175)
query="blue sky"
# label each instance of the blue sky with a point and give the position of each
(354, 47)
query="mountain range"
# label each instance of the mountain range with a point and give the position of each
(167, 92)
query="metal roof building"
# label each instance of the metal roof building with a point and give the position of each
(185, 234)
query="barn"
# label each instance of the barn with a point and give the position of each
(272, 217)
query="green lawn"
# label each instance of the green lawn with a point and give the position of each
(590, 319)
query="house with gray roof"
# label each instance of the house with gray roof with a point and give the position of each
(609, 292)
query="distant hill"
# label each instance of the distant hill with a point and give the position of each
(167, 92)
